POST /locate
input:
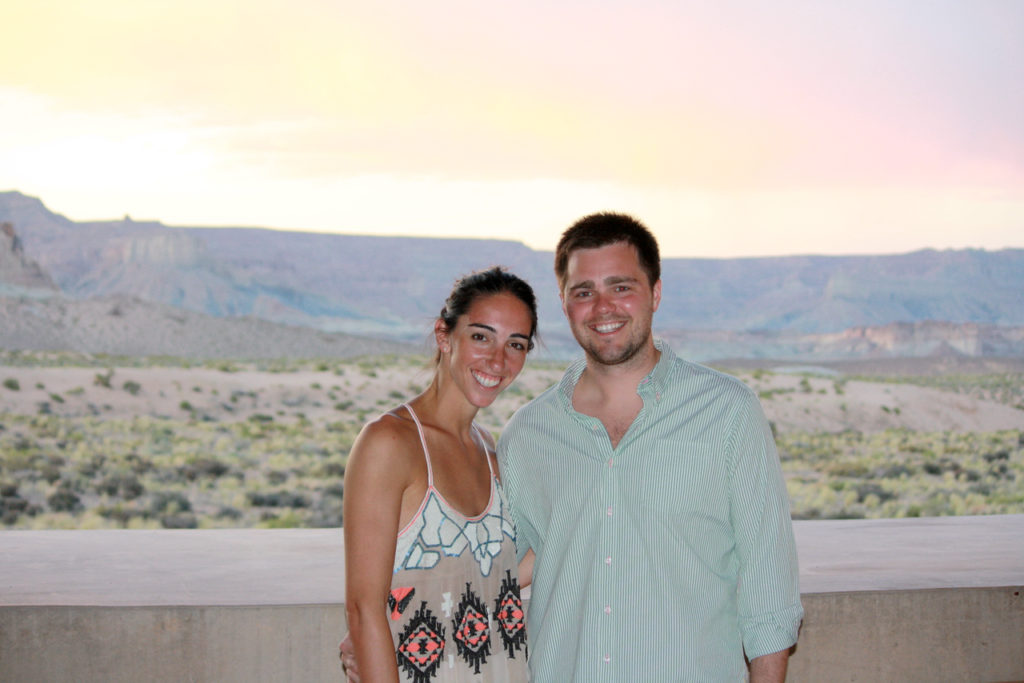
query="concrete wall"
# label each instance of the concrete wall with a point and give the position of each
(887, 600)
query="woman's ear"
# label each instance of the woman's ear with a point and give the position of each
(444, 344)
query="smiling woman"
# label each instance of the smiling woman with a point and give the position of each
(429, 544)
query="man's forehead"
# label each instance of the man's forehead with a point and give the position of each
(614, 253)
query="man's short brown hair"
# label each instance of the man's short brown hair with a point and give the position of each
(601, 229)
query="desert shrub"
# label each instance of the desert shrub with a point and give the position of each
(872, 489)
(92, 465)
(337, 490)
(289, 520)
(228, 512)
(103, 379)
(261, 417)
(125, 486)
(12, 384)
(169, 503)
(132, 387)
(121, 514)
(186, 406)
(210, 467)
(181, 520)
(277, 477)
(64, 500)
(330, 469)
(277, 499)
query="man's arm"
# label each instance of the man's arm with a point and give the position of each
(769, 594)
(769, 668)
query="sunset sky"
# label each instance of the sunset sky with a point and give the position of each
(730, 128)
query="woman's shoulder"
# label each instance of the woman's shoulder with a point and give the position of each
(392, 434)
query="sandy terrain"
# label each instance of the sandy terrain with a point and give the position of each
(357, 390)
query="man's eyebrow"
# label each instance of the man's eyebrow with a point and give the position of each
(610, 280)
(586, 284)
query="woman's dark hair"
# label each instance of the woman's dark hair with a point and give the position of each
(495, 280)
(601, 229)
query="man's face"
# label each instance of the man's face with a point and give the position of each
(609, 302)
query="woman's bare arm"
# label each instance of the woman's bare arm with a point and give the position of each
(376, 477)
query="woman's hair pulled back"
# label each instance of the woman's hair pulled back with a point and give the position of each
(483, 283)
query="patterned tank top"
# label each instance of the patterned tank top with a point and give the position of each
(454, 607)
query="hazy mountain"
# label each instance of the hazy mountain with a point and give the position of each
(393, 287)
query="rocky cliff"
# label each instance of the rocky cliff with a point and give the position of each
(18, 273)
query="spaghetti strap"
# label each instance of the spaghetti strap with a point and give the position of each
(483, 442)
(423, 442)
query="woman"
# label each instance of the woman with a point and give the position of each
(421, 608)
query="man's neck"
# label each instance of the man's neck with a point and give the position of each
(611, 380)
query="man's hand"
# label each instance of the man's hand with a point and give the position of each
(347, 652)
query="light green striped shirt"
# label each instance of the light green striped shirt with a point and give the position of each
(666, 558)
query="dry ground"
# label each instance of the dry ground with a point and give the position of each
(356, 390)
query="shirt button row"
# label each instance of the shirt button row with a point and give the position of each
(609, 510)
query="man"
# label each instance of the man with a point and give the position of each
(650, 490)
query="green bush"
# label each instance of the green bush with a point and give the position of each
(12, 384)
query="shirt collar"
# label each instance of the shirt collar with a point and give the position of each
(655, 379)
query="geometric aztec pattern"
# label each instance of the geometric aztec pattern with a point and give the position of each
(421, 646)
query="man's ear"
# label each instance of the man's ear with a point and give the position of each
(441, 336)
(656, 294)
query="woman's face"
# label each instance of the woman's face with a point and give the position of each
(487, 348)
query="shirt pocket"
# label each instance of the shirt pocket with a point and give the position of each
(683, 479)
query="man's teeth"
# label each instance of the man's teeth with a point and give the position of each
(608, 327)
(487, 380)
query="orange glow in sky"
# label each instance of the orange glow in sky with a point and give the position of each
(731, 129)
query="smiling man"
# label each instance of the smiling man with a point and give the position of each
(650, 489)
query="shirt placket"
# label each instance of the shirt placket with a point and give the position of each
(605, 557)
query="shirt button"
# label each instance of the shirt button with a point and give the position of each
(611, 461)
(607, 659)
(609, 510)
(607, 609)
(608, 560)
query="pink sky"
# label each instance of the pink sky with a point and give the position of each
(732, 129)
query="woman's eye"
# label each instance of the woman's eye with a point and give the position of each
(477, 336)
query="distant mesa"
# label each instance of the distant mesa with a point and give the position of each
(925, 303)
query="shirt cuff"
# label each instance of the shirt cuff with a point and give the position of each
(767, 633)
